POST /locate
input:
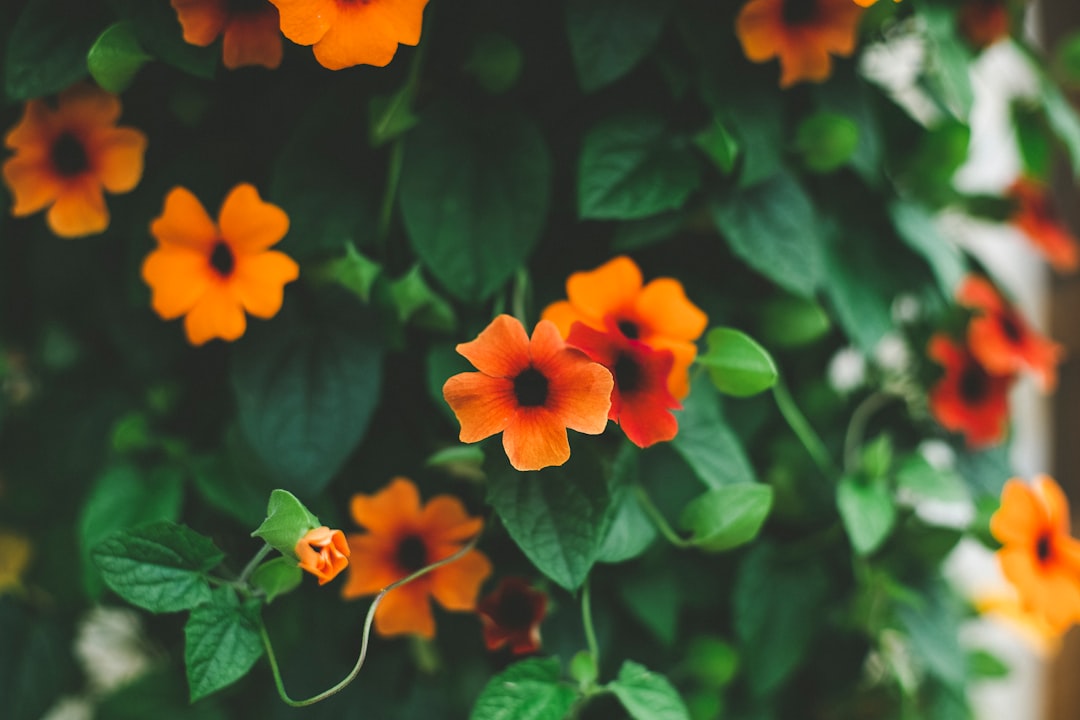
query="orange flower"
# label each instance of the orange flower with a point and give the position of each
(802, 33)
(250, 29)
(211, 273)
(868, 3)
(967, 399)
(529, 390)
(352, 32)
(323, 552)
(66, 156)
(640, 400)
(511, 614)
(1039, 556)
(657, 314)
(1044, 638)
(1001, 340)
(1037, 218)
(984, 22)
(404, 537)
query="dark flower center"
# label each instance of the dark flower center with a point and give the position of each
(629, 329)
(222, 259)
(627, 373)
(1010, 327)
(799, 12)
(1042, 547)
(515, 611)
(69, 156)
(411, 553)
(973, 384)
(238, 7)
(531, 388)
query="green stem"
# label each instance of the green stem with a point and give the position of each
(803, 430)
(586, 620)
(857, 427)
(658, 518)
(252, 564)
(365, 638)
(521, 287)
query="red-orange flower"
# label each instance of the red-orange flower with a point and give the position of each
(323, 552)
(984, 22)
(804, 34)
(529, 390)
(640, 400)
(404, 537)
(352, 32)
(67, 155)
(1037, 218)
(1001, 340)
(657, 314)
(212, 272)
(249, 29)
(968, 399)
(511, 614)
(1039, 556)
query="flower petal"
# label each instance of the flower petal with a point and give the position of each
(369, 33)
(248, 223)
(386, 511)
(201, 20)
(119, 158)
(406, 609)
(258, 281)
(482, 404)
(1019, 520)
(32, 183)
(500, 350)
(79, 209)
(371, 566)
(184, 222)
(610, 288)
(177, 277)
(306, 21)
(252, 39)
(457, 584)
(217, 314)
(536, 438)
(444, 520)
(82, 106)
(35, 131)
(664, 309)
(564, 315)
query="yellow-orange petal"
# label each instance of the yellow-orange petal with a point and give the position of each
(482, 404)
(258, 281)
(32, 184)
(610, 288)
(444, 519)
(217, 314)
(1054, 503)
(248, 224)
(684, 353)
(201, 20)
(35, 130)
(665, 309)
(535, 438)
(406, 609)
(457, 584)
(1019, 518)
(184, 222)
(120, 159)
(564, 315)
(757, 27)
(500, 350)
(79, 210)
(177, 277)
(803, 60)
(306, 21)
(383, 512)
(85, 105)
(579, 395)
(371, 566)
(369, 33)
(252, 39)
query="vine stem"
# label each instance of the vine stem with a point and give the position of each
(586, 620)
(658, 518)
(252, 564)
(279, 683)
(803, 430)
(857, 426)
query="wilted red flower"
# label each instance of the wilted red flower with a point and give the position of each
(804, 34)
(404, 537)
(657, 314)
(983, 22)
(511, 614)
(249, 28)
(1038, 555)
(323, 552)
(346, 32)
(1037, 218)
(212, 272)
(968, 399)
(67, 155)
(1001, 340)
(640, 400)
(530, 390)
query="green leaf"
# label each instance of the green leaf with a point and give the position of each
(115, 57)
(390, 117)
(868, 512)
(737, 364)
(474, 196)
(931, 626)
(635, 234)
(983, 665)
(609, 37)
(655, 599)
(859, 293)
(557, 516)
(161, 566)
(826, 141)
(277, 577)
(949, 60)
(728, 516)
(877, 456)
(527, 690)
(464, 461)
(772, 226)
(221, 642)
(120, 499)
(354, 272)
(719, 145)
(35, 661)
(916, 227)
(707, 443)
(712, 661)
(630, 531)
(583, 668)
(922, 479)
(494, 62)
(789, 321)
(647, 695)
(1063, 120)
(778, 604)
(416, 301)
(755, 116)
(47, 46)
(305, 395)
(287, 520)
(631, 167)
(159, 31)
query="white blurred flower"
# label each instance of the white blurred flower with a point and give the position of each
(110, 647)
(892, 353)
(938, 454)
(847, 370)
(70, 708)
(906, 309)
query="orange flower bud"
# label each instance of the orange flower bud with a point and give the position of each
(323, 553)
